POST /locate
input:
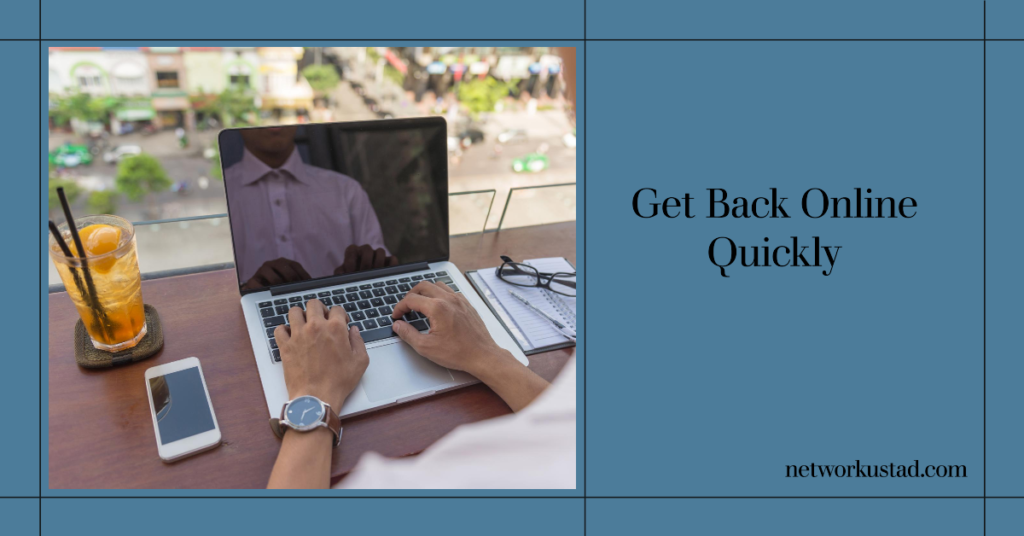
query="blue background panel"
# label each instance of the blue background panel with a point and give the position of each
(20, 20)
(1005, 317)
(786, 19)
(1005, 19)
(20, 516)
(174, 517)
(19, 381)
(792, 517)
(264, 19)
(704, 385)
(1004, 517)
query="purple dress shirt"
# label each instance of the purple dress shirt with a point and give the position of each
(299, 212)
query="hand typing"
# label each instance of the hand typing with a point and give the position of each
(458, 338)
(321, 356)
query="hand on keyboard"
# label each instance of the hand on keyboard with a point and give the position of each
(458, 338)
(322, 356)
(275, 272)
(362, 258)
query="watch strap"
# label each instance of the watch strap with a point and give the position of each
(277, 427)
(333, 424)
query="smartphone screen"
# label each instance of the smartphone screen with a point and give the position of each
(181, 406)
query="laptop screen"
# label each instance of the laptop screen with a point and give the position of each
(319, 200)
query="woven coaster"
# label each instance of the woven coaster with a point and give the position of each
(88, 356)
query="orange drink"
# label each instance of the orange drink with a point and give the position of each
(107, 290)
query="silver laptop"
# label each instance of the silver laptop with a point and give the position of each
(353, 215)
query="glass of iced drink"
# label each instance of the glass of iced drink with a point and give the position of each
(106, 288)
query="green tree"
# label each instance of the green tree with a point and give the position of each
(215, 164)
(140, 177)
(82, 106)
(233, 106)
(323, 78)
(480, 95)
(103, 202)
(393, 74)
(71, 190)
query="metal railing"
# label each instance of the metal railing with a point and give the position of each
(483, 228)
(490, 205)
(183, 222)
(522, 188)
(176, 220)
(209, 265)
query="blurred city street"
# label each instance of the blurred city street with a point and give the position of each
(483, 150)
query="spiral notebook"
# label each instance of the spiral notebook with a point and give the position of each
(532, 332)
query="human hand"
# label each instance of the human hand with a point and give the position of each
(364, 257)
(458, 338)
(321, 356)
(275, 272)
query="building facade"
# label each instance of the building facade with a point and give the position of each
(242, 68)
(120, 72)
(284, 96)
(176, 87)
(170, 82)
(205, 68)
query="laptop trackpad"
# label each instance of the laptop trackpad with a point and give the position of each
(396, 371)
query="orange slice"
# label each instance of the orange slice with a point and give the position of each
(99, 239)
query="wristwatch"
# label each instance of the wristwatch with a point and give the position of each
(307, 413)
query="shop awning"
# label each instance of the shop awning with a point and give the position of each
(203, 101)
(268, 102)
(168, 102)
(135, 114)
(128, 69)
(295, 97)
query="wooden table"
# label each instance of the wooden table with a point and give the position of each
(101, 434)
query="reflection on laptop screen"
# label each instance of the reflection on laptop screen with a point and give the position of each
(313, 201)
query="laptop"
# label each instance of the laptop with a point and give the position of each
(352, 214)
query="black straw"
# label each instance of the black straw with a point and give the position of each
(60, 240)
(73, 228)
(92, 297)
(74, 273)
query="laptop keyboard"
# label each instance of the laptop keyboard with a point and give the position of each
(369, 306)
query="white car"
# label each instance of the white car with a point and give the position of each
(454, 145)
(512, 136)
(120, 153)
(71, 160)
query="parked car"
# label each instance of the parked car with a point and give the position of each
(570, 139)
(70, 155)
(533, 162)
(121, 152)
(470, 136)
(454, 145)
(512, 136)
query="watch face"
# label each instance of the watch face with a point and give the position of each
(304, 411)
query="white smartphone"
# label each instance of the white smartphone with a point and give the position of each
(182, 411)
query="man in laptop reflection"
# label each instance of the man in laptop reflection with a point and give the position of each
(292, 221)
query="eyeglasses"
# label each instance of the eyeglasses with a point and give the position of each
(524, 275)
